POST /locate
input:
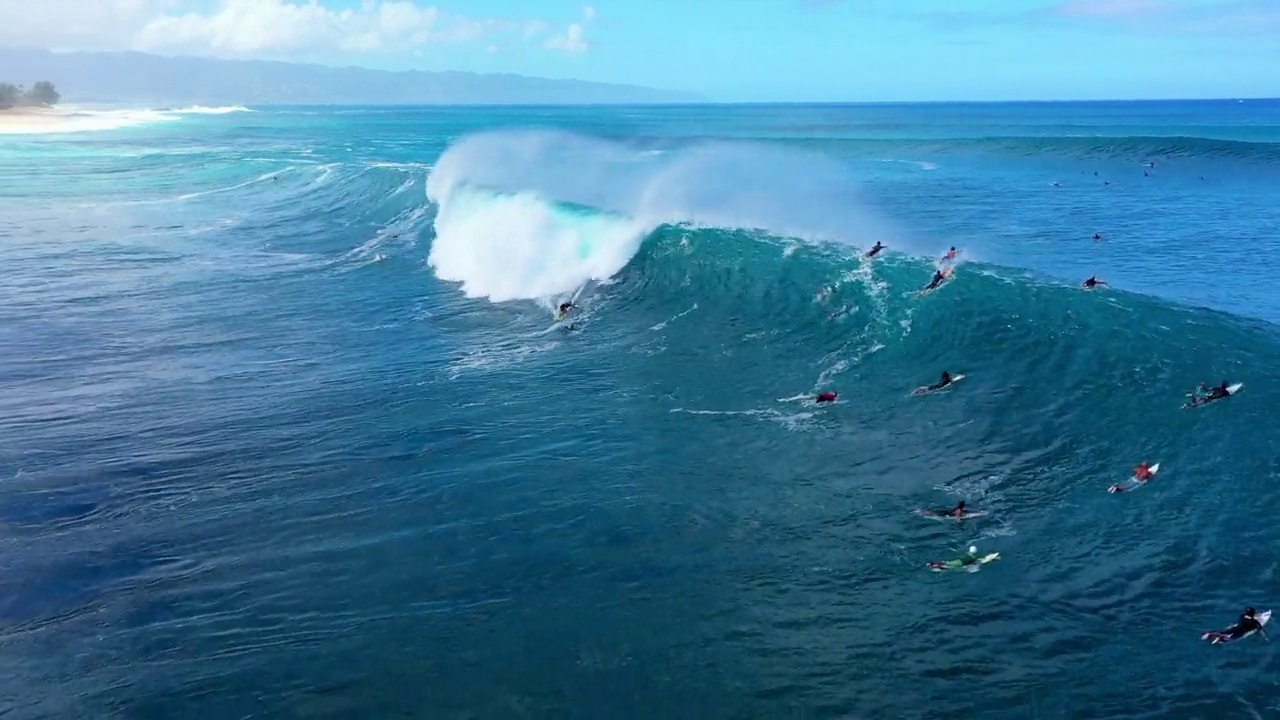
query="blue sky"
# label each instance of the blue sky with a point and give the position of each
(730, 50)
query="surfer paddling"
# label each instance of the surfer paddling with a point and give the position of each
(1143, 473)
(969, 558)
(1093, 282)
(1202, 396)
(946, 381)
(955, 512)
(943, 382)
(1247, 624)
(938, 278)
(875, 249)
(1219, 392)
(951, 254)
(826, 397)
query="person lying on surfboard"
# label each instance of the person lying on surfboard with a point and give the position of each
(951, 254)
(968, 558)
(1093, 282)
(1142, 473)
(565, 307)
(938, 277)
(1247, 624)
(875, 249)
(826, 397)
(955, 512)
(945, 381)
(1219, 392)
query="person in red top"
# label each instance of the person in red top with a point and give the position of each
(826, 397)
(1143, 471)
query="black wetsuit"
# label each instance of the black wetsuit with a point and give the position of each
(875, 249)
(1247, 624)
(946, 380)
(938, 277)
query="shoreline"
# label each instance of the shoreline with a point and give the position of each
(50, 120)
(67, 119)
(21, 120)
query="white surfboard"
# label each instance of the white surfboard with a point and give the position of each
(1133, 483)
(1263, 618)
(971, 568)
(925, 389)
(1231, 390)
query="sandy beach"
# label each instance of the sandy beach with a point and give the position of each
(34, 120)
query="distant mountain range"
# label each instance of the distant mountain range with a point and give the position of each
(131, 77)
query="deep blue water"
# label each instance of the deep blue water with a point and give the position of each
(287, 428)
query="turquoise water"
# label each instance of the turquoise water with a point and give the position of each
(287, 428)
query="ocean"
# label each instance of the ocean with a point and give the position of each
(288, 428)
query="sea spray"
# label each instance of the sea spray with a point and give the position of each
(510, 247)
(531, 213)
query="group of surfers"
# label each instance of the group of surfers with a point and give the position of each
(1248, 622)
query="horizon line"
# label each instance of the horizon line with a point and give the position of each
(756, 103)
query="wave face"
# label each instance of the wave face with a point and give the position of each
(285, 413)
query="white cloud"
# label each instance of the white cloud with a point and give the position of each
(574, 39)
(283, 29)
(535, 27)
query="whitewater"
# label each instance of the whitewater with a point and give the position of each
(289, 425)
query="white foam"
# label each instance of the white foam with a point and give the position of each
(75, 121)
(509, 247)
(525, 214)
(202, 110)
(673, 318)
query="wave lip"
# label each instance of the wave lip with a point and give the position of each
(530, 213)
(520, 246)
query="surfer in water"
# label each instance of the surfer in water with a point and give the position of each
(1093, 282)
(968, 558)
(1248, 623)
(938, 277)
(1142, 473)
(826, 397)
(1219, 392)
(565, 307)
(951, 254)
(875, 249)
(945, 381)
(1098, 236)
(955, 512)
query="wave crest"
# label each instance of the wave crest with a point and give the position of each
(527, 214)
